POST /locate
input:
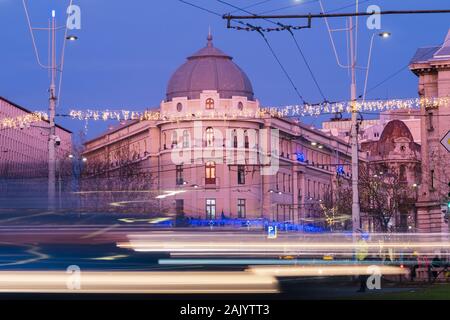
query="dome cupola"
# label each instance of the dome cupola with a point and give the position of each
(209, 69)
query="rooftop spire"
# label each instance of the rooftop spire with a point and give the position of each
(209, 38)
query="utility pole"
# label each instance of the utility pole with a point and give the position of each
(53, 67)
(51, 109)
(356, 220)
(241, 19)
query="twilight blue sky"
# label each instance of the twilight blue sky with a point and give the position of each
(128, 50)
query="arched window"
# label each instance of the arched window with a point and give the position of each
(209, 137)
(209, 103)
(174, 139)
(179, 107)
(210, 173)
(234, 137)
(246, 140)
(403, 173)
(240, 106)
(185, 139)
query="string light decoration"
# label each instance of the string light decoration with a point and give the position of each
(122, 115)
(294, 111)
(278, 112)
(23, 121)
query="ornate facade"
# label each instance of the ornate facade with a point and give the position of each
(432, 66)
(216, 153)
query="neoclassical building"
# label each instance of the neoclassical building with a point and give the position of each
(24, 144)
(215, 152)
(432, 66)
(394, 158)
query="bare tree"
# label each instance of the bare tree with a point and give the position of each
(384, 194)
(119, 183)
(337, 205)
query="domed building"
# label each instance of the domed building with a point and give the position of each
(395, 160)
(213, 152)
(209, 69)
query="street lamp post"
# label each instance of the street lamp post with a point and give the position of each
(53, 68)
(356, 217)
(52, 107)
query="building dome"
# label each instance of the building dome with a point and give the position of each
(395, 129)
(209, 69)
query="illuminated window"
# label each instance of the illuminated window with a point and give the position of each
(210, 173)
(209, 137)
(209, 103)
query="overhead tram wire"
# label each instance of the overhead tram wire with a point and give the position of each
(290, 6)
(253, 5)
(393, 75)
(265, 40)
(199, 7)
(278, 60)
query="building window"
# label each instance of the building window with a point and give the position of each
(209, 137)
(185, 139)
(235, 139)
(210, 173)
(432, 179)
(179, 175)
(179, 206)
(240, 106)
(179, 107)
(174, 139)
(309, 188)
(241, 210)
(210, 209)
(209, 103)
(403, 173)
(284, 182)
(241, 174)
(246, 140)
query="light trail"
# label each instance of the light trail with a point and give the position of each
(296, 262)
(307, 271)
(237, 244)
(171, 282)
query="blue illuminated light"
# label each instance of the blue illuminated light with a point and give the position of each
(301, 157)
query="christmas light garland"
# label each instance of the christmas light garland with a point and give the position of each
(22, 121)
(276, 112)
(279, 112)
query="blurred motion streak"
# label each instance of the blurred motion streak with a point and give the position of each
(139, 282)
(302, 271)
